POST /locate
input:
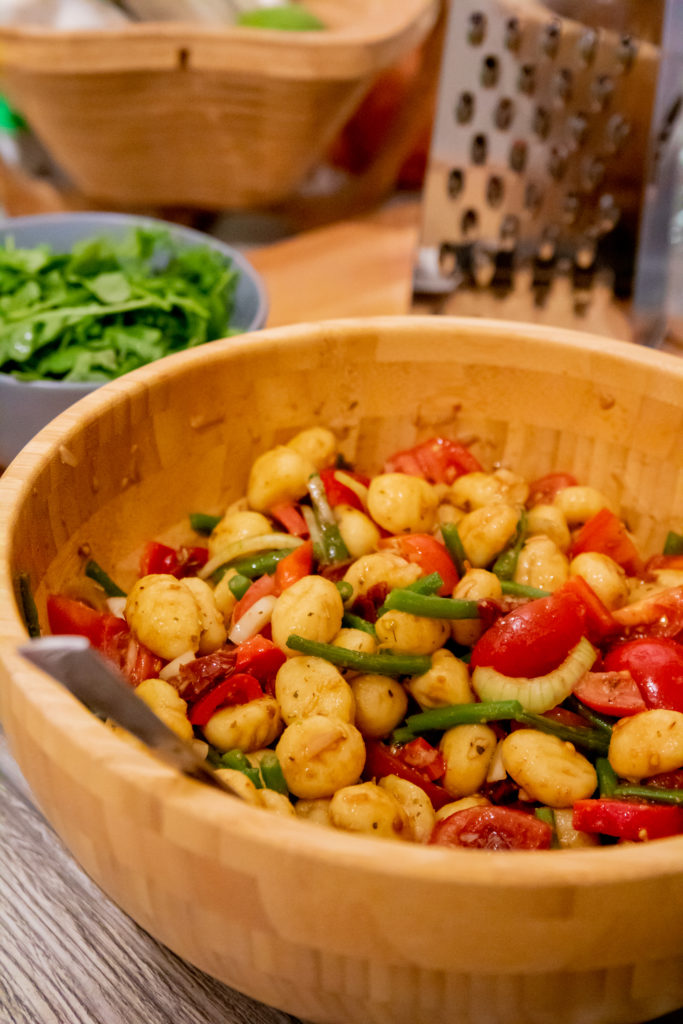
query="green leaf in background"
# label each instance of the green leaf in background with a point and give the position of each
(109, 305)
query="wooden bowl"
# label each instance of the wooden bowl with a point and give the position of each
(334, 927)
(202, 115)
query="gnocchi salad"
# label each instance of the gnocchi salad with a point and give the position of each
(437, 653)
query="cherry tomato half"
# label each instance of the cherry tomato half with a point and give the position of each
(625, 819)
(532, 639)
(606, 533)
(438, 460)
(427, 552)
(656, 664)
(492, 828)
(610, 693)
(543, 490)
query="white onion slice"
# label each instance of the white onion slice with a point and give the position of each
(253, 620)
(171, 670)
(359, 489)
(249, 546)
(117, 606)
(538, 693)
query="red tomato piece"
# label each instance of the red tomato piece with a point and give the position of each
(438, 460)
(294, 566)
(532, 639)
(656, 665)
(239, 688)
(420, 754)
(339, 493)
(667, 780)
(492, 828)
(543, 490)
(664, 562)
(380, 761)
(660, 615)
(626, 819)
(599, 622)
(261, 587)
(182, 561)
(610, 693)
(260, 657)
(430, 554)
(289, 516)
(67, 615)
(605, 533)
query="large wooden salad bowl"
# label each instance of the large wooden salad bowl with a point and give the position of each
(333, 927)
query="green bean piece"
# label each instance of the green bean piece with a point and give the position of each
(522, 590)
(359, 661)
(345, 589)
(238, 761)
(673, 545)
(547, 814)
(441, 719)
(253, 566)
(607, 778)
(588, 739)
(334, 548)
(429, 606)
(203, 523)
(424, 585)
(238, 585)
(97, 573)
(592, 717)
(28, 605)
(454, 547)
(271, 773)
(658, 794)
(350, 621)
(506, 563)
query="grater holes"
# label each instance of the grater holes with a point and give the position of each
(571, 207)
(526, 79)
(547, 246)
(509, 231)
(512, 34)
(479, 149)
(495, 190)
(550, 38)
(448, 261)
(533, 198)
(563, 85)
(578, 127)
(602, 88)
(469, 223)
(593, 173)
(490, 71)
(588, 46)
(557, 162)
(455, 183)
(518, 155)
(626, 52)
(504, 113)
(618, 130)
(464, 108)
(476, 28)
(609, 213)
(541, 122)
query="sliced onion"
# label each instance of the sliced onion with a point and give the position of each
(539, 693)
(171, 670)
(359, 489)
(117, 606)
(253, 620)
(249, 546)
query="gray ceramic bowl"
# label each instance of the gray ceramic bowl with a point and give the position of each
(26, 406)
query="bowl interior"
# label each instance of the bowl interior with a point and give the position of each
(133, 459)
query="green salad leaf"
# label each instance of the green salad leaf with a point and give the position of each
(109, 305)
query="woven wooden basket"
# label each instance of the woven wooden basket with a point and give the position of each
(163, 114)
(332, 927)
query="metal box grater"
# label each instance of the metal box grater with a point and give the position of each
(548, 190)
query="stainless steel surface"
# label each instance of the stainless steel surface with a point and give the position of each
(550, 130)
(101, 688)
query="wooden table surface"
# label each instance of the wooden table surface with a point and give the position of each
(67, 954)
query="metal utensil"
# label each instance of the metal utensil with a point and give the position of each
(547, 159)
(103, 690)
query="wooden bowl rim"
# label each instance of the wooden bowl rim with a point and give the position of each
(142, 772)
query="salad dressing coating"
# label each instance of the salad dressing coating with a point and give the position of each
(437, 653)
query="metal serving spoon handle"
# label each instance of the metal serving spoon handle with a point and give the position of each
(102, 689)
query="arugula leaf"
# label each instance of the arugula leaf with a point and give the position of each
(109, 305)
